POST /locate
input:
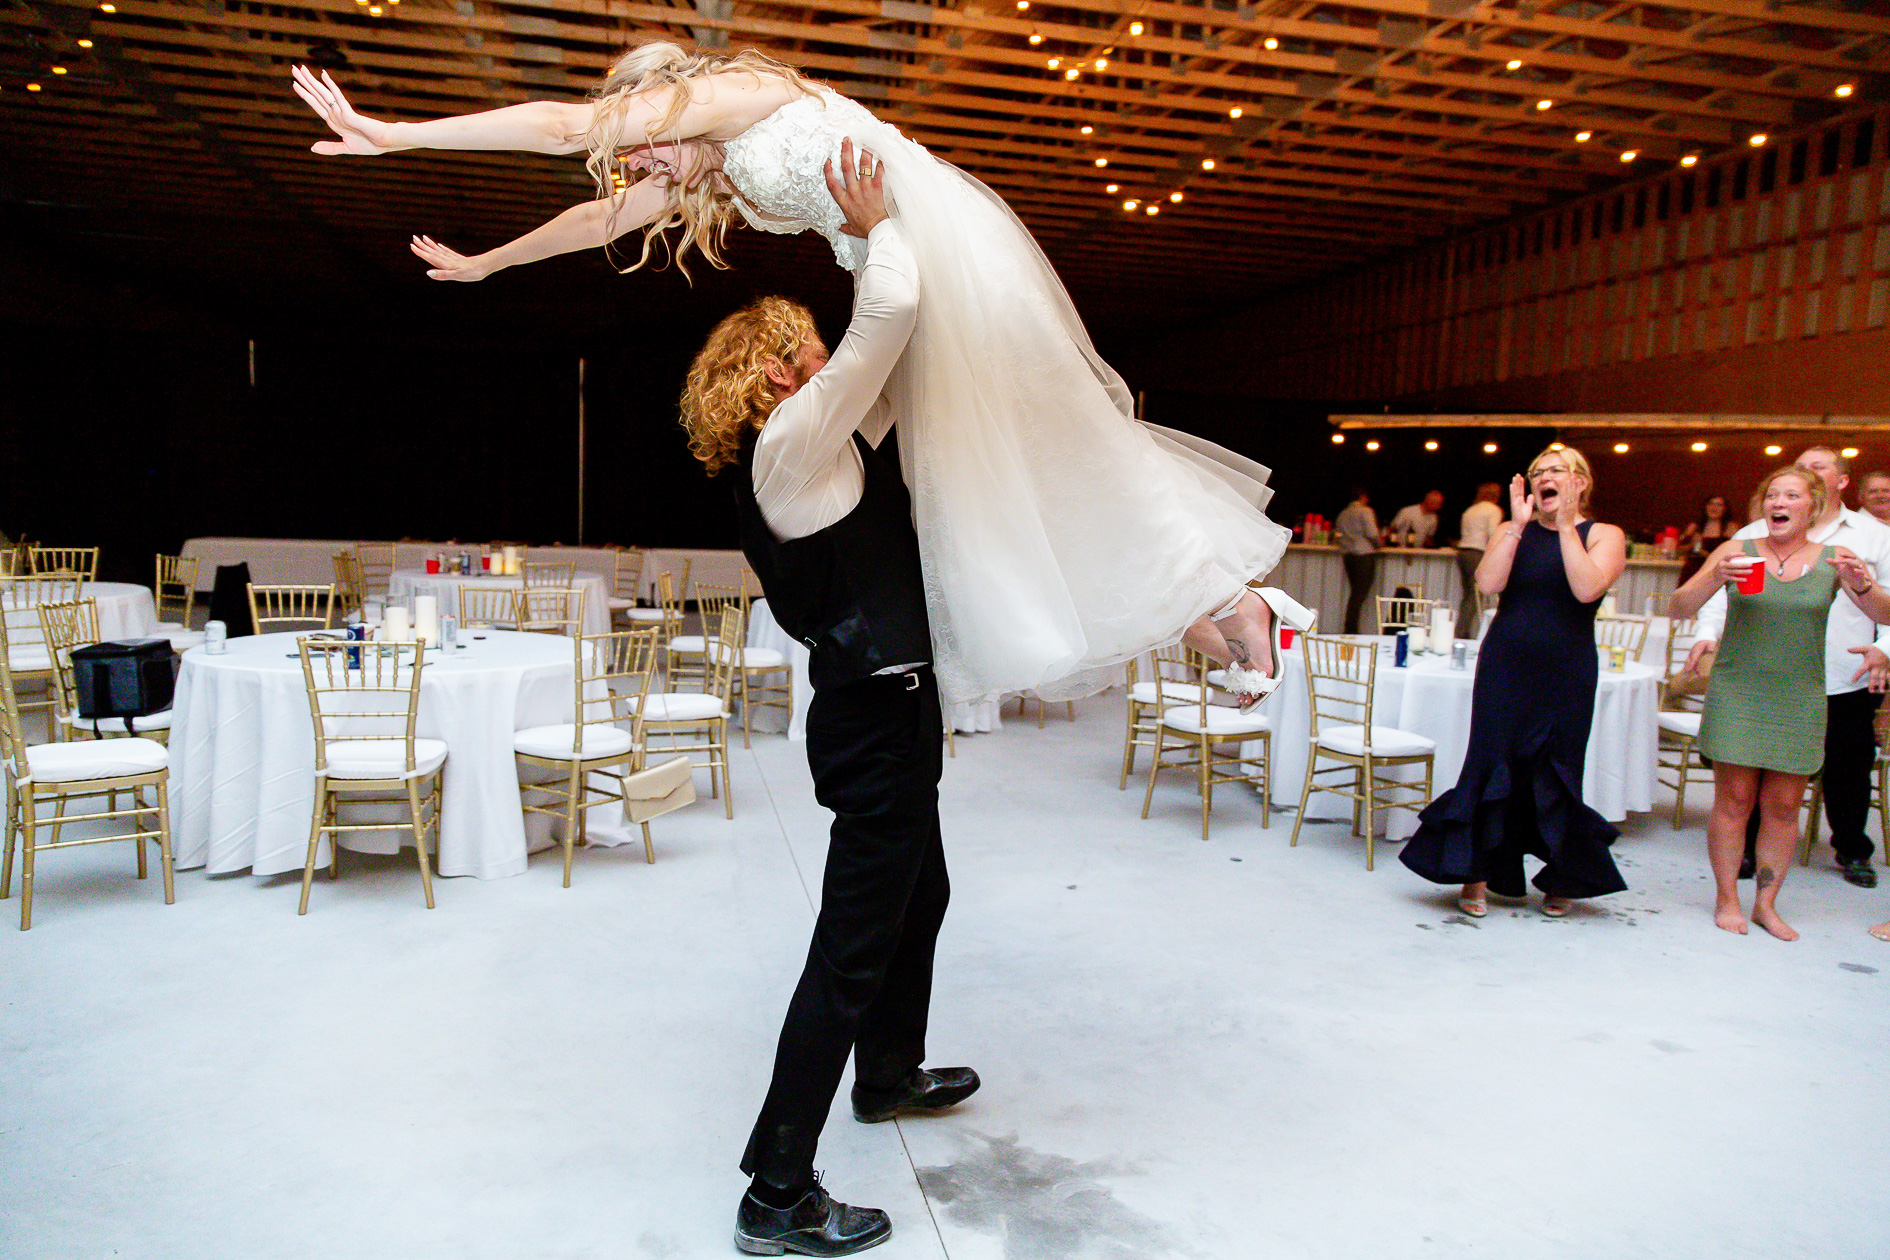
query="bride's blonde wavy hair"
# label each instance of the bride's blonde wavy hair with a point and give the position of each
(702, 209)
(728, 392)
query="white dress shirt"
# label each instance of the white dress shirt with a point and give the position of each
(1357, 529)
(807, 471)
(1413, 519)
(1479, 525)
(1849, 626)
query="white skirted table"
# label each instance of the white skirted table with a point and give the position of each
(1429, 698)
(407, 583)
(764, 632)
(242, 752)
(125, 611)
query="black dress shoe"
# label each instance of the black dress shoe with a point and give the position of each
(816, 1226)
(922, 1093)
(1859, 872)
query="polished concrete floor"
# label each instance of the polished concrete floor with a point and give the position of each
(1224, 1049)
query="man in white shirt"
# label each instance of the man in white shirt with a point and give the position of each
(1415, 523)
(1856, 671)
(1873, 491)
(1479, 524)
(826, 523)
(1356, 532)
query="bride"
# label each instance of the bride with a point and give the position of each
(1059, 537)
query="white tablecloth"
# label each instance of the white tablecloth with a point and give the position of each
(312, 559)
(1429, 698)
(243, 754)
(407, 583)
(125, 611)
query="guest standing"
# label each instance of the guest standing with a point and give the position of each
(1873, 489)
(1480, 522)
(1763, 728)
(1531, 706)
(1357, 531)
(1415, 524)
(1856, 670)
(1699, 538)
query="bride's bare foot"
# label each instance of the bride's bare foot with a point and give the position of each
(1728, 917)
(1881, 931)
(1767, 918)
(1249, 633)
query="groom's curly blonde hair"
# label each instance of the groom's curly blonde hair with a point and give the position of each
(728, 393)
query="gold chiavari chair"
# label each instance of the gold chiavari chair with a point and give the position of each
(1170, 671)
(547, 573)
(350, 586)
(596, 758)
(75, 625)
(687, 654)
(1623, 630)
(13, 560)
(175, 592)
(626, 582)
(57, 774)
(1341, 684)
(291, 607)
(49, 560)
(28, 657)
(483, 607)
(1027, 698)
(765, 680)
(1677, 723)
(699, 719)
(667, 616)
(365, 745)
(376, 561)
(550, 609)
(1197, 728)
(1398, 612)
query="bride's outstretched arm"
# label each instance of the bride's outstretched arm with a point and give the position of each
(586, 226)
(721, 107)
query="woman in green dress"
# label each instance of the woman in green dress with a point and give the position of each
(1763, 728)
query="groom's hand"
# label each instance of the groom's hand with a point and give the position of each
(858, 188)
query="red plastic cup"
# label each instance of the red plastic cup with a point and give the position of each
(1754, 580)
(433, 566)
(1286, 636)
(485, 564)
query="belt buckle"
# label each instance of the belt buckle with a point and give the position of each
(912, 680)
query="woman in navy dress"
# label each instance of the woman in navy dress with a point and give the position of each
(1533, 703)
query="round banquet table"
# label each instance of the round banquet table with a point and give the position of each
(1429, 698)
(125, 611)
(407, 583)
(243, 755)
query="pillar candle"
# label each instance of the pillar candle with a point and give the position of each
(511, 561)
(1417, 639)
(426, 618)
(1607, 605)
(394, 627)
(1442, 629)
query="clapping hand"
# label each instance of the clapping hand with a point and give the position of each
(445, 264)
(1851, 570)
(360, 135)
(1522, 505)
(1876, 667)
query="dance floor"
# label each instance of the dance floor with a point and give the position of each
(1231, 1049)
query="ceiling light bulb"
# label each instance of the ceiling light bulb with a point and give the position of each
(1087, 129)
(1849, 452)
(1054, 62)
(85, 43)
(374, 9)
(1234, 112)
(1071, 73)
(32, 87)
(1371, 446)
(1515, 64)
(1583, 137)
(1545, 103)
(1102, 64)
(1130, 205)
(108, 8)
(1102, 161)
(1489, 448)
(1699, 446)
(1844, 89)
(1154, 209)
(1691, 159)
(58, 69)
(1628, 155)
(1174, 197)
(1620, 448)
(1135, 28)
(1774, 450)
(1272, 43)
(1036, 39)
(1758, 139)
(1338, 439)
(1023, 4)
(1431, 445)
(1112, 188)
(1207, 164)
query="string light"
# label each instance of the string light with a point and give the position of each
(1109, 188)
(1583, 137)
(1620, 448)
(1086, 129)
(1371, 446)
(1130, 204)
(85, 43)
(1235, 112)
(1207, 164)
(1774, 450)
(1154, 209)
(1036, 39)
(1135, 28)
(1515, 65)
(1489, 448)
(1849, 452)
(1691, 159)
(1272, 44)
(1071, 73)
(32, 87)
(1843, 89)
(1698, 447)
(1174, 197)
(1102, 64)
(374, 10)
(1054, 62)
(1545, 103)
(1431, 445)
(108, 8)
(58, 69)
(1628, 155)
(1022, 5)
(1758, 139)
(1338, 439)
(1102, 161)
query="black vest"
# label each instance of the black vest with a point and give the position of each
(852, 592)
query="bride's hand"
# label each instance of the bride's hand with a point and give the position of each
(445, 264)
(360, 135)
(859, 189)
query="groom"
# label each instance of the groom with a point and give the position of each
(827, 525)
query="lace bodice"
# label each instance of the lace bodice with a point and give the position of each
(777, 167)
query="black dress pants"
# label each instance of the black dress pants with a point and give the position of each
(1850, 757)
(875, 748)
(1361, 577)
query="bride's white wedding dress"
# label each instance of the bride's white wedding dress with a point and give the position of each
(1059, 536)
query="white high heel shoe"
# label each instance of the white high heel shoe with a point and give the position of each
(1287, 611)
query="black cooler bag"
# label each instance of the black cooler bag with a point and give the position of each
(126, 680)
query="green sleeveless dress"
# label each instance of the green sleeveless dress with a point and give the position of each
(1765, 704)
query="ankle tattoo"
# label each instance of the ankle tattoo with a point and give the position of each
(1239, 648)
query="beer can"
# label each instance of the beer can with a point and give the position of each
(1617, 659)
(1460, 655)
(449, 633)
(1403, 648)
(216, 638)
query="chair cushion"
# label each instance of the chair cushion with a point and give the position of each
(554, 742)
(1221, 720)
(95, 759)
(682, 706)
(1680, 723)
(688, 643)
(26, 660)
(383, 758)
(160, 721)
(762, 658)
(1176, 692)
(644, 614)
(1387, 741)
(618, 602)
